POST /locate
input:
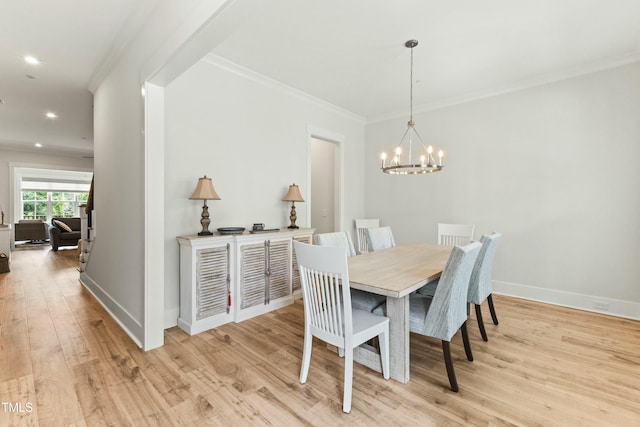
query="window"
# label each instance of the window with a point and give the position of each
(34, 205)
(46, 205)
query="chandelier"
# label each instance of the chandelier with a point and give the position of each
(405, 165)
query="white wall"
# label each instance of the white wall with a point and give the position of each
(554, 168)
(250, 137)
(117, 270)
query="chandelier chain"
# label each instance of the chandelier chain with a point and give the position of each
(411, 90)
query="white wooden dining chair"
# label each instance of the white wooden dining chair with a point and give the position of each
(480, 282)
(361, 239)
(328, 314)
(379, 238)
(442, 315)
(455, 234)
(361, 300)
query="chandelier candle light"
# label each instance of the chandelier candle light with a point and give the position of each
(427, 163)
(205, 191)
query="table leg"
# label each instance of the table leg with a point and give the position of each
(398, 314)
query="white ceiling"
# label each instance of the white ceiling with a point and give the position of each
(71, 38)
(352, 54)
(348, 53)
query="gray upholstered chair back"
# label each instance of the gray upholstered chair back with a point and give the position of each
(379, 238)
(448, 310)
(339, 239)
(480, 282)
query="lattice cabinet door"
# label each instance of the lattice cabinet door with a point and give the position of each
(265, 276)
(206, 283)
(253, 278)
(279, 269)
(213, 282)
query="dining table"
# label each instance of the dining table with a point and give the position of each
(395, 273)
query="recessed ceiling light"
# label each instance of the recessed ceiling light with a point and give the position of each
(51, 115)
(37, 144)
(31, 60)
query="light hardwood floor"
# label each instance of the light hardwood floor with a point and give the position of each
(62, 356)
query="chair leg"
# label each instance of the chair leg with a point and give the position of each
(465, 340)
(492, 310)
(481, 323)
(348, 379)
(383, 340)
(449, 364)
(306, 357)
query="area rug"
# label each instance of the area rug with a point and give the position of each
(31, 245)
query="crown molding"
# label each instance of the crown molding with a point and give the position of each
(263, 80)
(540, 80)
(125, 36)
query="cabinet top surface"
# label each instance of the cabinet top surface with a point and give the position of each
(283, 232)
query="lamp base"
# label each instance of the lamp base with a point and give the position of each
(205, 221)
(293, 216)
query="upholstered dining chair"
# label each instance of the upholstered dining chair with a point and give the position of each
(455, 234)
(442, 315)
(340, 239)
(361, 239)
(328, 314)
(379, 238)
(480, 282)
(361, 300)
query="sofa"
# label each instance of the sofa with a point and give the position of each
(64, 232)
(30, 229)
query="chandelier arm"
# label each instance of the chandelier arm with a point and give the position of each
(404, 135)
(420, 138)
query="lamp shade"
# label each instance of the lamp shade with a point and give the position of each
(293, 195)
(204, 190)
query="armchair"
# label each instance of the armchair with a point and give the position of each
(64, 232)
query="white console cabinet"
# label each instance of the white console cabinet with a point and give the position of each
(234, 278)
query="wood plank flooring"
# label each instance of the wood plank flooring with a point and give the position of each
(64, 361)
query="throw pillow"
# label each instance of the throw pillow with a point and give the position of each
(62, 225)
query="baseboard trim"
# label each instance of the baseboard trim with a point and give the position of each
(171, 317)
(596, 304)
(131, 326)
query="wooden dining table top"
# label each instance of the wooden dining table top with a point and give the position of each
(398, 271)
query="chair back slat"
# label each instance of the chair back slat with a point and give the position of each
(455, 234)
(325, 289)
(361, 225)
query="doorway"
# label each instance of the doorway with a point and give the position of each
(324, 185)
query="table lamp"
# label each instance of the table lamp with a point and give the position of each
(293, 196)
(205, 191)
